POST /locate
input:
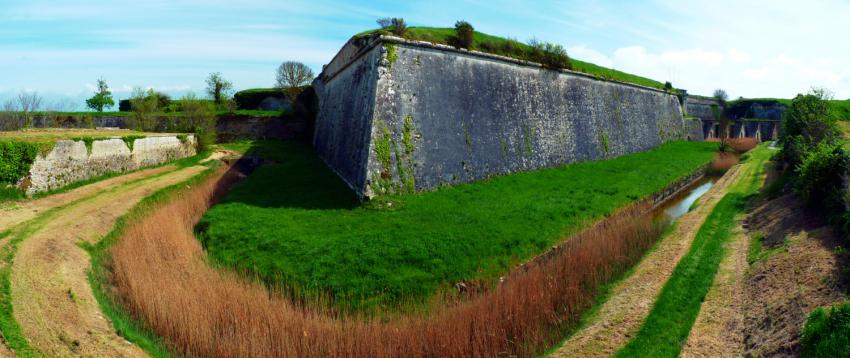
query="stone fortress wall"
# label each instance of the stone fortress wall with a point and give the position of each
(402, 116)
(72, 161)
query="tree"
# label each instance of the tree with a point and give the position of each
(806, 124)
(28, 102)
(291, 76)
(218, 88)
(102, 98)
(146, 106)
(720, 115)
(465, 34)
(200, 119)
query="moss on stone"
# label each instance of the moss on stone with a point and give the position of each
(131, 139)
(603, 143)
(408, 135)
(392, 54)
(88, 141)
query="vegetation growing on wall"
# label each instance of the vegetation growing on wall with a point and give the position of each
(392, 55)
(317, 239)
(515, 49)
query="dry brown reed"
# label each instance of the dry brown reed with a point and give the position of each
(159, 274)
(740, 145)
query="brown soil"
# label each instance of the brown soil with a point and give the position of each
(620, 317)
(51, 296)
(783, 288)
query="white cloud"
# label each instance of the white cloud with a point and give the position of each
(589, 55)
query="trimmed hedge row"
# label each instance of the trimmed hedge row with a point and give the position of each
(15, 160)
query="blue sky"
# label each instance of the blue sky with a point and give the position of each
(752, 49)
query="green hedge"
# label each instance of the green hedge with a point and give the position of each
(251, 98)
(827, 333)
(15, 160)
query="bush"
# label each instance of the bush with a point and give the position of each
(251, 99)
(465, 34)
(821, 177)
(805, 124)
(827, 334)
(399, 27)
(124, 105)
(550, 55)
(199, 118)
(668, 86)
(15, 160)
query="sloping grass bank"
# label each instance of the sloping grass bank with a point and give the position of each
(297, 226)
(515, 49)
(666, 328)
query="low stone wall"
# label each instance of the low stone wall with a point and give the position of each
(72, 161)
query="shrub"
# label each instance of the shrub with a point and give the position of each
(124, 105)
(465, 34)
(251, 99)
(146, 106)
(15, 160)
(805, 124)
(549, 55)
(827, 333)
(668, 86)
(821, 177)
(200, 118)
(399, 27)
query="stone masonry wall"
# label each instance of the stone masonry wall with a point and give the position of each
(442, 116)
(70, 161)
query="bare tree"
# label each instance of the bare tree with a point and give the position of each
(291, 76)
(29, 102)
(9, 117)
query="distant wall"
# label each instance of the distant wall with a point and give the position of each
(402, 116)
(229, 127)
(71, 161)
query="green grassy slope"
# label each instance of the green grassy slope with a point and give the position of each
(484, 42)
(666, 328)
(295, 223)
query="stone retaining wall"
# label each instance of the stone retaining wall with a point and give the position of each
(400, 116)
(71, 161)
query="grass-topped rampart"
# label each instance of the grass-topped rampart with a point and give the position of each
(295, 224)
(518, 50)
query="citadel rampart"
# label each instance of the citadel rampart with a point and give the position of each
(396, 115)
(72, 161)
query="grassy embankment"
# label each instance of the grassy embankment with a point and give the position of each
(666, 328)
(512, 48)
(295, 224)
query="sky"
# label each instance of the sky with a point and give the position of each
(59, 48)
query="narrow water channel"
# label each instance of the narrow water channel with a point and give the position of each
(680, 204)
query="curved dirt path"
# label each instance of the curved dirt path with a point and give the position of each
(52, 299)
(629, 303)
(14, 213)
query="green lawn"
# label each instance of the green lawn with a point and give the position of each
(666, 328)
(296, 224)
(494, 44)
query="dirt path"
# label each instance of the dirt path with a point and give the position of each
(620, 317)
(51, 295)
(717, 331)
(14, 213)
